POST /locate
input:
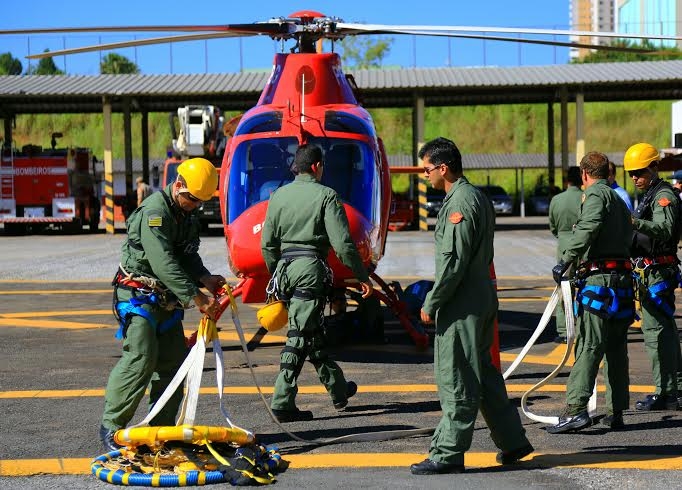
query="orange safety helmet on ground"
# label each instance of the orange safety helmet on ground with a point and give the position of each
(640, 156)
(200, 176)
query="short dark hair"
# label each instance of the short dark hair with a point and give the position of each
(612, 168)
(596, 164)
(306, 156)
(573, 176)
(442, 151)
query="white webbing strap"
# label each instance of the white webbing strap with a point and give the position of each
(566, 295)
(191, 371)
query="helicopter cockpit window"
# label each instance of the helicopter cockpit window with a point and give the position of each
(259, 167)
(347, 123)
(349, 169)
(261, 123)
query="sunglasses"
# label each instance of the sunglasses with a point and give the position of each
(189, 196)
(638, 173)
(428, 170)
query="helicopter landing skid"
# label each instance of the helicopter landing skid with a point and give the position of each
(388, 296)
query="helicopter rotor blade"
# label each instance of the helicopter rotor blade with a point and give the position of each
(350, 29)
(272, 27)
(544, 42)
(139, 42)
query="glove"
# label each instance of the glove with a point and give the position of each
(559, 270)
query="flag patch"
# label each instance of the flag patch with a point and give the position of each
(154, 221)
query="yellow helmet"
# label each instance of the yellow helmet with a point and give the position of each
(640, 156)
(273, 316)
(201, 177)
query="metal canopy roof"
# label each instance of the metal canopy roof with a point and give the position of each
(648, 80)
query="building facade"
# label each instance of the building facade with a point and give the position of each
(661, 17)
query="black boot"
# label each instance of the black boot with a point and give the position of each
(351, 389)
(513, 456)
(295, 415)
(107, 438)
(568, 423)
(614, 421)
(657, 402)
(428, 467)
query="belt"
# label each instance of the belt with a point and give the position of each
(297, 253)
(606, 265)
(121, 280)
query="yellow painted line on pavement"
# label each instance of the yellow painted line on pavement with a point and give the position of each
(81, 466)
(43, 314)
(18, 322)
(550, 359)
(53, 291)
(309, 390)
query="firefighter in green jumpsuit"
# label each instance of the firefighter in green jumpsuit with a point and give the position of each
(160, 275)
(656, 223)
(604, 295)
(564, 209)
(464, 304)
(304, 219)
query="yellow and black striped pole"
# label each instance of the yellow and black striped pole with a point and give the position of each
(108, 169)
(421, 198)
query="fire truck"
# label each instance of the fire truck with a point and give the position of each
(200, 135)
(52, 188)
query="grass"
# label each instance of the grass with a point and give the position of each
(522, 128)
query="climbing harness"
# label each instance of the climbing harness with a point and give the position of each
(146, 291)
(188, 454)
(563, 291)
(657, 293)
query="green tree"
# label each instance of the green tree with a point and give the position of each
(9, 65)
(361, 52)
(658, 53)
(45, 66)
(116, 64)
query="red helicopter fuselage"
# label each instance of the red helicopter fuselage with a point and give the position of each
(307, 99)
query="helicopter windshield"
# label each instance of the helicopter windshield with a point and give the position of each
(261, 166)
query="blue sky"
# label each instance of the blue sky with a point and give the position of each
(232, 55)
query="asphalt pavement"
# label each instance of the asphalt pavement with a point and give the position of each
(57, 349)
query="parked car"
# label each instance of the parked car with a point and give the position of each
(502, 202)
(539, 200)
(434, 201)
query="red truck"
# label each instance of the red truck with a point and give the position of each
(53, 188)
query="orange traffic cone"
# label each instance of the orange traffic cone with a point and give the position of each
(495, 348)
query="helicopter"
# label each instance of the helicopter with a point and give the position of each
(309, 99)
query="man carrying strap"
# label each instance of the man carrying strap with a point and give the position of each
(160, 274)
(601, 245)
(656, 223)
(303, 221)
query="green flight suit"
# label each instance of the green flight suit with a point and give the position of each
(305, 215)
(464, 304)
(163, 243)
(660, 226)
(603, 231)
(564, 209)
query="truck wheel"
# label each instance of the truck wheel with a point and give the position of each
(15, 229)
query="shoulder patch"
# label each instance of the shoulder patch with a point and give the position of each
(456, 217)
(664, 201)
(154, 220)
